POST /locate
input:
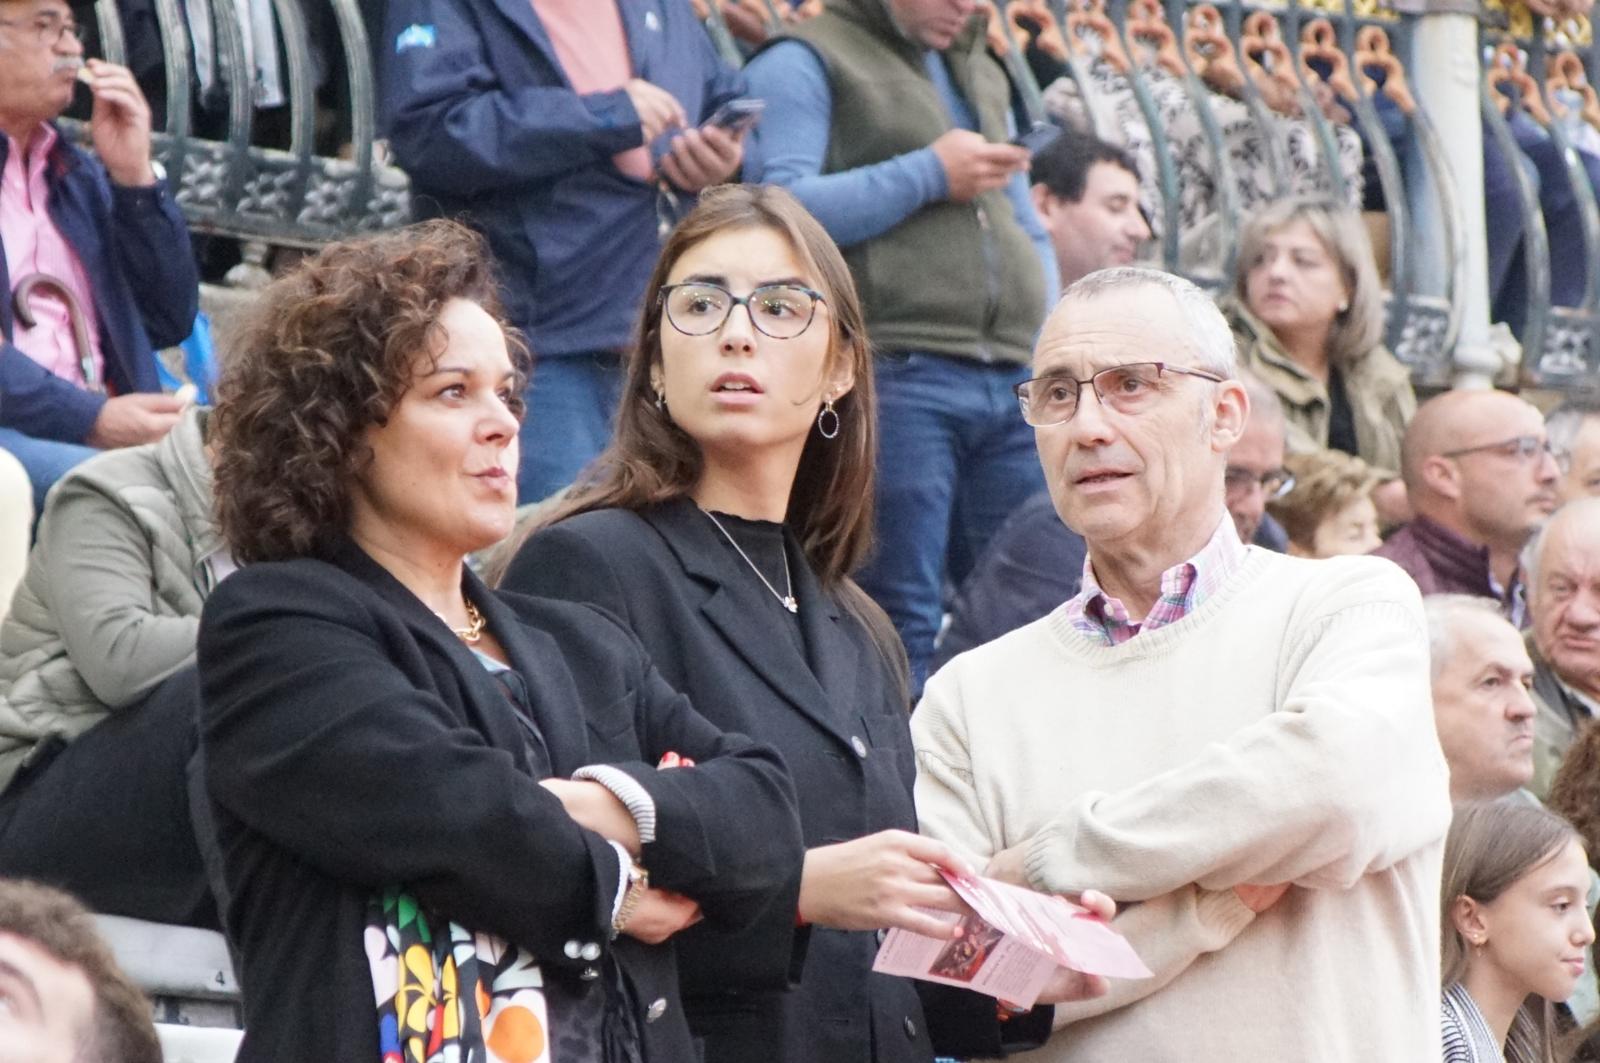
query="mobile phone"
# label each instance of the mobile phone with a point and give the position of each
(738, 116)
(1037, 137)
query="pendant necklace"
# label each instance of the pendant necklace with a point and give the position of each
(787, 599)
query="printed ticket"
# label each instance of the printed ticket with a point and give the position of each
(1011, 944)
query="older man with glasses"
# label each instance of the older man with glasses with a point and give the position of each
(95, 263)
(1034, 562)
(1240, 743)
(1480, 478)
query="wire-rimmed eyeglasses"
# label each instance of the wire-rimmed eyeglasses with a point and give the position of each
(782, 311)
(1520, 448)
(1274, 484)
(47, 29)
(1128, 389)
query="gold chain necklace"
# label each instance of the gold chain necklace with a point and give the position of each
(787, 599)
(475, 624)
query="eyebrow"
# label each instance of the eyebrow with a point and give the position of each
(722, 280)
(461, 370)
(16, 974)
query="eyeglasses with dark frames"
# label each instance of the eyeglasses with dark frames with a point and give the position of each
(47, 30)
(1520, 448)
(782, 311)
(1274, 485)
(1128, 389)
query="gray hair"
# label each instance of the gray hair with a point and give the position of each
(1360, 328)
(1532, 555)
(1562, 424)
(1209, 333)
(1443, 613)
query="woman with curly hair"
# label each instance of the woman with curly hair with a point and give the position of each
(1328, 508)
(426, 794)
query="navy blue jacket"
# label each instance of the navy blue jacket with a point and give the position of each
(482, 117)
(134, 248)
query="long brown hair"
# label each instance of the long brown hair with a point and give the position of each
(651, 460)
(1490, 846)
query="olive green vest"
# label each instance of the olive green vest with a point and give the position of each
(954, 278)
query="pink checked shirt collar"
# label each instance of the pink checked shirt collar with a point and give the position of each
(1103, 619)
(33, 244)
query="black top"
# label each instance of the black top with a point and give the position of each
(766, 550)
(352, 742)
(832, 710)
(1341, 418)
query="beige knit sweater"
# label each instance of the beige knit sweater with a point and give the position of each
(1282, 732)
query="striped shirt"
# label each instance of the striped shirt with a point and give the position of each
(1105, 620)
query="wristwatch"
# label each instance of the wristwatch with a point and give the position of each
(638, 882)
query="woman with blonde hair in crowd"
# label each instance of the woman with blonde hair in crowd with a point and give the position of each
(1516, 932)
(722, 526)
(1328, 508)
(1307, 309)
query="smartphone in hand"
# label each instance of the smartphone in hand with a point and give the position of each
(1037, 137)
(738, 116)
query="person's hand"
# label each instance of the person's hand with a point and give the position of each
(594, 807)
(880, 881)
(702, 157)
(131, 420)
(119, 125)
(972, 165)
(659, 915)
(658, 109)
(1259, 898)
(1007, 866)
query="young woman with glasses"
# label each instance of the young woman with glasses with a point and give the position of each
(722, 526)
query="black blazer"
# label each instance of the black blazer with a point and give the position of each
(721, 638)
(352, 742)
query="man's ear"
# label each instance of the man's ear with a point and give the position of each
(1441, 476)
(1043, 202)
(1232, 410)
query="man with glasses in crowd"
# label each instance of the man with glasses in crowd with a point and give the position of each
(1035, 563)
(1239, 743)
(1480, 478)
(119, 277)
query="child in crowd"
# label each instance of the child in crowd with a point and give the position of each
(1516, 932)
(1328, 511)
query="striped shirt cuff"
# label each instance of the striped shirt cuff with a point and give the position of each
(625, 788)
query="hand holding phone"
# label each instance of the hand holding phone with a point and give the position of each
(738, 116)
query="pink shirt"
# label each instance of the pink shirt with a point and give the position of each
(593, 50)
(33, 244)
(1100, 617)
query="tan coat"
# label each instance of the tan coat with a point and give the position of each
(1377, 385)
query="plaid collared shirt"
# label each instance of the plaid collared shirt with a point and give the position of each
(1104, 619)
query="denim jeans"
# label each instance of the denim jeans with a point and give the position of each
(45, 460)
(954, 459)
(572, 402)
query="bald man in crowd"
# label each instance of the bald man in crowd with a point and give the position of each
(1562, 566)
(1482, 705)
(1480, 477)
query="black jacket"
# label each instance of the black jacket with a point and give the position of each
(352, 742)
(720, 637)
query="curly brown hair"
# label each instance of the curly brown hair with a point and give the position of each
(324, 354)
(1575, 793)
(122, 1031)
